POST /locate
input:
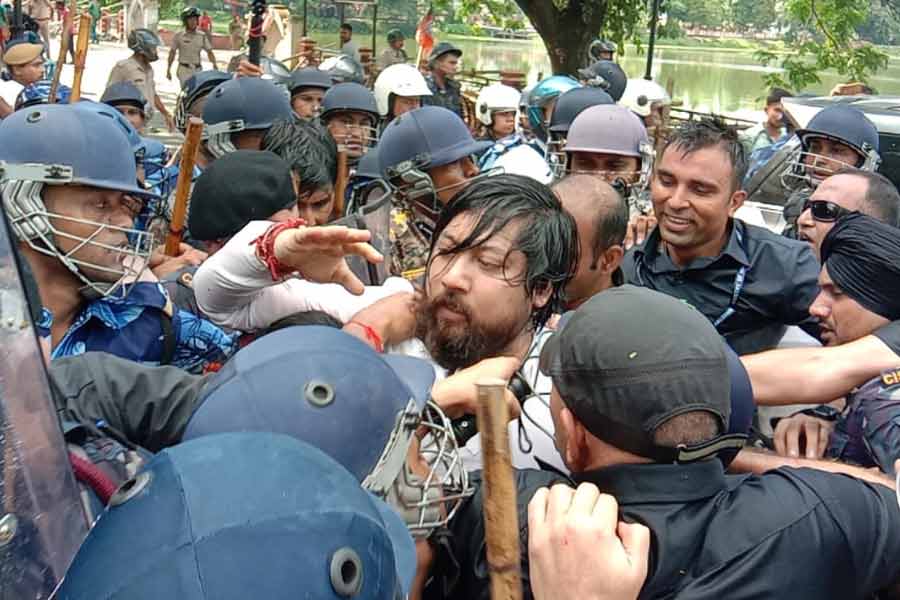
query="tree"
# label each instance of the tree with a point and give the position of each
(825, 34)
(754, 15)
(567, 27)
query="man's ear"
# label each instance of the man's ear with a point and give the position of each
(576, 440)
(611, 259)
(736, 201)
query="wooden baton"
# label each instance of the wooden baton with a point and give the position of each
(81, 48)
(501, 520)
(340, 184)
(63, 49)
(183, 187)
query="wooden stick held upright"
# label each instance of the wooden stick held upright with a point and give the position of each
(183, 187)
(501, 521)
(340, 184)
(81, 48)
(63, 49)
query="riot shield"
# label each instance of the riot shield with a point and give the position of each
(42, 521)
(376, 218)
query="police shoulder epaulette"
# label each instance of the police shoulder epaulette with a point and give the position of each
(890, 377)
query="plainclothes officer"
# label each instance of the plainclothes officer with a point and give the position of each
(443, 63)
(307, 88)
(137, 69)
(289, 515)
(394, 53)
(126, 98)
(650, 441)
(749, 282)
(187, 45)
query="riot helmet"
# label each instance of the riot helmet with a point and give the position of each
(241, 104)
(496, 99)
(350, 115)
(606, 75)
(540, 99)
(568, 106)
(398, 80)
(196, 88)
(145, 43)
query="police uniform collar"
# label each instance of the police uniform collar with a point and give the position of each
(650, 250)
(643, 483)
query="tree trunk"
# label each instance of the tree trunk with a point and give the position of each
(566, 33)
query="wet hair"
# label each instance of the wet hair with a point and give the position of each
(776, 94)
(548, 237)
(308, 149)
(881, 195)
(611, 215)
(704, 133)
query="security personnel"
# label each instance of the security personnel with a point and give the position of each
(307, 87)
(443, 63)
(394, 53)
(350, 114)
(651, 442)
(425, 154)
(605, 75)
(750, 283)
(24, 61)
(137, 69)
(187, 45)
(126, 98)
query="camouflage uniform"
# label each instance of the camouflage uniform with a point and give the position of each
(868, 431)
(449, 97)
(410, 247)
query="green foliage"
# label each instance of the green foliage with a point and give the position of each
(824, 37)
(754, 15)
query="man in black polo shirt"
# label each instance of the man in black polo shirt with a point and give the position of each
(749, 282)
(639, 407)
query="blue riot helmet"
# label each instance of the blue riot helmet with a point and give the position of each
(309, 78)
(338, 107)
(39, 93)
(242, 104)
(606, 75)
(418, 141)
(296, 382)
(568, 106)
(195, 89)
(53, 144)
(541, 97)
(839, 124)
(124, 92)
(243, 515)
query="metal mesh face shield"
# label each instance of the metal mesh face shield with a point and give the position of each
(637, 180)
(420, 474)
(358, 139)
(218, 137)
(556, 154)
(808, 169)
(33, 224)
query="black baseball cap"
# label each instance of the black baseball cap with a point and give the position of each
(242, 186)
(630, 359)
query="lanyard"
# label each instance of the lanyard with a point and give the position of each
(739, 279)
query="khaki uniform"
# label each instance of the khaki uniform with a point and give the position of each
(236, 29)
(390, 57)
(409, 246)
(189, 44)
(41, 11)
(142, 77)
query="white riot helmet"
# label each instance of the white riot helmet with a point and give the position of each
(399, 80)
(525, 160)
(612, 129)
(641, 94)
(496, 98)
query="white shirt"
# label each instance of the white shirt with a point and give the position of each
(234, 288)
(9, 91)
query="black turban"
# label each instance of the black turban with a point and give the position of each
(863, 259)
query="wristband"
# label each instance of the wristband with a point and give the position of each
(371, 335)
(265, 248)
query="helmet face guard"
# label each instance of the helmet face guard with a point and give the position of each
(358, 138)
(420, 473)
(808, 169)
(34, 224)
(218, 137)
(641, 177)
(556, 154)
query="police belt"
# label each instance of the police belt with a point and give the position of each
(189, 65)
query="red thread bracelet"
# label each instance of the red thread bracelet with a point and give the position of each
(371, 335)
(265, 248)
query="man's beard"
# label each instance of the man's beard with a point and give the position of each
(461, 344)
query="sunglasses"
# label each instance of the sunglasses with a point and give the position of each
(824, 211)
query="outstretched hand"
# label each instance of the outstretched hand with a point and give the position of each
(318, 253)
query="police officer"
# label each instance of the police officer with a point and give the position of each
(495, 109)
(399, 89)
(24, 61)
(648, 100)
(602, 50)
(651, 443)
(192, 97)
(307, 87)
(425, 154)
(238, 113)
(394, 53)
(443, 63)
(749, 282)
(137, 69)
(605, 75)
(39, 93)
(75, 224)
(350, 114)
(126, 98)
(187, 45)
(859, 283)
(569, 105)
(541, 101)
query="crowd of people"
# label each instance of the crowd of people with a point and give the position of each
(277, 396)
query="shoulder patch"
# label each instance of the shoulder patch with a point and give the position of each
(890, 377)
